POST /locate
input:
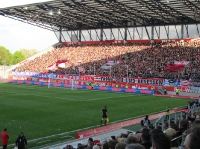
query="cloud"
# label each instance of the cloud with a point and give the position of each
(16, 35)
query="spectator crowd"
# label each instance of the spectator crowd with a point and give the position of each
(132, 59)
(183, 133)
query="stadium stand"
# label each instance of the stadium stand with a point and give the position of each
(142, 60)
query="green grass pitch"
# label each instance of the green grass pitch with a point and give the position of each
(39, 111)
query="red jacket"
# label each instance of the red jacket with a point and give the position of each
(4, 138)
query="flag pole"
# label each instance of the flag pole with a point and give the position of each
(127, 75)
(94, 69)
(110, 75)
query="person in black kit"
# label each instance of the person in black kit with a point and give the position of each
(104, 116)
(21, 141)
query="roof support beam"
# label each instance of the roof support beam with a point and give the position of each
(120, 33)
(105, 35)
(60, 34)
(157, 33)
(130, 34)
(147, 32)
(69, 36)
(182, 31)
(76, 34)
(97, 34)
(101, 34)
(83, 36)
(79, 36)
(177, 32)
(167, 31)
(138, 33)
(186, 27)
(152, 32)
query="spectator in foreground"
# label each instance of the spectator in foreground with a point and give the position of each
(146, 141)
(183, 125)
(134, 146)
(112, 144)
(120, 146)
(4, 138)
(161, 141)
(192, 140)
(90, 143)
(21, 141)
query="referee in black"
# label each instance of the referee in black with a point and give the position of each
(104, 116)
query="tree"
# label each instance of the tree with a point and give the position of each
(5, 56)
(28, 52)
(18, 57)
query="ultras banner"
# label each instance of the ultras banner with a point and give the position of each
(157, 81)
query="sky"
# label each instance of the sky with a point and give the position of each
(16, 35)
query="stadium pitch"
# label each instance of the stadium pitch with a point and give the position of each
(48, 115)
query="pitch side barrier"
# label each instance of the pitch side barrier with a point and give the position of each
(102, 88)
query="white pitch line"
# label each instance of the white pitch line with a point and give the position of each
(43, 141)
(67, 136)
(64, 98)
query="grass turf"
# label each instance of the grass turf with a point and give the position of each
(39, 111)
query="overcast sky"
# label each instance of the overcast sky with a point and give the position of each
(15, 35)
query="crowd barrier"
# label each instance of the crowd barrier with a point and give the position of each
(103, 88)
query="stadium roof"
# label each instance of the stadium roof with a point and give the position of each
(96, 14)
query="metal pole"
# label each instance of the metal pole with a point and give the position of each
(110, 74)
(127, 75)
(60, 35)
(94, 69)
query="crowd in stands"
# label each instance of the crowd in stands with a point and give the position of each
(140, 59)
(183, 133)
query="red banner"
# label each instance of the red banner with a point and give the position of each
(155, 81)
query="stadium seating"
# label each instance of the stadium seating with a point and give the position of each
(140, 58)
(173, 135)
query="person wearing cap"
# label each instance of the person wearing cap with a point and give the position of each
(21, 141)
(4, 138)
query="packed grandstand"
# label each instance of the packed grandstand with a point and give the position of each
(160, 61)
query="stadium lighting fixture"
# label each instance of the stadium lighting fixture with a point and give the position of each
(50, 12)
(59, 12)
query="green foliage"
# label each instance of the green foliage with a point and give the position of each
(28, 52)
(18, 57)
(39, 111)
(7, 59)
(5, 56)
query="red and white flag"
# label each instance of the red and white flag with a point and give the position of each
(62, 65)
(181, 62)
(52, 67)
